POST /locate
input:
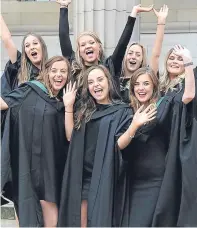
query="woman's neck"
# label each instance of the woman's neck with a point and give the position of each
(172, 76)
(37, 66)
(87, 64)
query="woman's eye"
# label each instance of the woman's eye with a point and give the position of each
(100, 79)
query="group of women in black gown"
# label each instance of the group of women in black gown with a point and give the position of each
(95, 141)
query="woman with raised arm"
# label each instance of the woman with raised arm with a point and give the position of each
(89, 47)
(135, 56)
(23, 66)
(34, 145)
(153, 158)
(94, 160)
(178, 80)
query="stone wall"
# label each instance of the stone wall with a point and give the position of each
(107, 18)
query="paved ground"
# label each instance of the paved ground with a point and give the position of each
(8, 223)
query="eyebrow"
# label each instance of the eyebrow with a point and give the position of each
(135, 52)
(143, 82)
(33, 41)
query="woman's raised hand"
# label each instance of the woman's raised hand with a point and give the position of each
(139, 9)
(64, 3)
(142, 117)
(161, 14)
(69, 94)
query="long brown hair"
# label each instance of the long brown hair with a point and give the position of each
(125, 72)
(87, 104)
(135, 104)
(44, 75)
(26, 65)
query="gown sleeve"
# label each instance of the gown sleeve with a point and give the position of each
(65, 42)
(16, 97)
(9, 78)
(119, 52)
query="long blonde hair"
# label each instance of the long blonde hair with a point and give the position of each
(135, 104)
(78, 66)
(166, 83)
(26, 65)
(125, 71)
(44, 74)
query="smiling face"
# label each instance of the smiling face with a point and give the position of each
(33, 50)
(89, 50)
(134, 58)
(58, 76)
(174, 65)
(143, 88)
(98, 86)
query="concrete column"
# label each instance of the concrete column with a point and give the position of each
(105, 17)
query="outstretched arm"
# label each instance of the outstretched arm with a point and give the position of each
(7, 40)
(119, 52)
(140, 118)
(65, 42)
(156, 52)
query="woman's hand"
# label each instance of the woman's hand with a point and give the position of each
(138, 9)
(142, 117)
(64, 3)
(183, 52)
(161, 14)
(69, 95)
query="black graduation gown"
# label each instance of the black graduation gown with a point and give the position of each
(9, 81)
(34, 150)
(106, 170)
(177, 205)
(124, 89)
(143, 177)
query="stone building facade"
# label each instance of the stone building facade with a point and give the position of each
(106, 17)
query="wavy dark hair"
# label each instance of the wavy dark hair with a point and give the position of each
(135, 104)
(44, 75)
(87, 104)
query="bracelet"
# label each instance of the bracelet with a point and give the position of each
(68, 112)
(131, 136)
(64, 6)
(161, 24)
(188, 64)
